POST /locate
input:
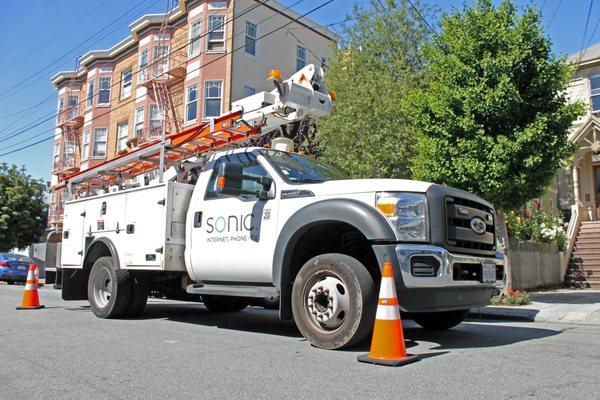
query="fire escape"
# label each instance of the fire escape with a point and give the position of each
(162, 78)
(66, 147)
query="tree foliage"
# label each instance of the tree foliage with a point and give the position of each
(367, 134)
(494, 120)
(22, 210)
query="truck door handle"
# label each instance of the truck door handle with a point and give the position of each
(197, 219)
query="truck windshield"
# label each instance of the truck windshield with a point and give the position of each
(300, 169)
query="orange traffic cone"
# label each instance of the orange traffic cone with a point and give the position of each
(387, 346)
(31, 301)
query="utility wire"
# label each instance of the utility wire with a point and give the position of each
(194, 70)
(421, 16)
(584, 48)
(587, 22)
(554, 14)
(54, 114)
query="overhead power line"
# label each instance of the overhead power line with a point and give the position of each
(54, 114)
(194, 70)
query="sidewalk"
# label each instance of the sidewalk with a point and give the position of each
(563, 306)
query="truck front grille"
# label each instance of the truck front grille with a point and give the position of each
(459, 232)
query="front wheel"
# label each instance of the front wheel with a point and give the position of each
(333, 301)
(440, 320)
(109, 289)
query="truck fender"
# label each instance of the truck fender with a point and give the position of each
(363, 217)
(100, 247)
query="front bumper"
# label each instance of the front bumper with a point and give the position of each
(441, 292)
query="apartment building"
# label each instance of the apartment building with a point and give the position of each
(175, 71)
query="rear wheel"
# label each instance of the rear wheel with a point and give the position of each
(440, 320)
(109, 289)
(333, 301)
(224, 303)
(10, 282)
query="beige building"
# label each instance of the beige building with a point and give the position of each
(175, 71)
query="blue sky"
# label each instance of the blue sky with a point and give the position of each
(39, 32)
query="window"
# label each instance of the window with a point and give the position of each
(142, 74)
(212, 98)
(99, 149)
(595, 92)
(126, 84)
(90, 95)
(300, 57)
(161, 61)
(69, 154)
(295, 168)
(250, 39)
(191, 103)
(73, 102)
(155, 121)
(104, 90)
(251, 167)
(194, 39)
(214, 5)
(56, 156)
(85, 145)
(249, 91)
(122, 134)
(61, 104)
(139, 120)
(216, 32)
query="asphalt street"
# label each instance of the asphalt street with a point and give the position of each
(180, 350)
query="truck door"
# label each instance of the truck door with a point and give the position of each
(232, 237)
(73, 241)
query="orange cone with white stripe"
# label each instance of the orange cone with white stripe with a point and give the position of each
(31, 300)
(387, 346)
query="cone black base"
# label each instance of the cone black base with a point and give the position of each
(30, 308)
(390, 363)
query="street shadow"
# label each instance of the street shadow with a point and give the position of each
(259, 320)
(570, 297)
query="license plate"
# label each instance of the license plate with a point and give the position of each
(22, 268)
(488, 272)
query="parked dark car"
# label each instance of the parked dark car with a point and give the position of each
(14, 267)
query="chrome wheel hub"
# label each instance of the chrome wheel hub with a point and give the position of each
(328, 303)
(102, 288)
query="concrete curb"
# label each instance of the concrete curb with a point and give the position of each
(504, 313)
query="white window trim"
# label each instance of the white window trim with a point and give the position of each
(95, 157)
(251, 56)
(189, 49)
(121, 96)
(141, 71)
(204, 117)
(98, 104)
(217, 5)
(119, 137)
(592, 95)
(85, 154)
(136, 122)
(187, 101)
(87, 94)
(208, 30)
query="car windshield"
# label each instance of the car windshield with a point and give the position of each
(300, 169)
(13, 257)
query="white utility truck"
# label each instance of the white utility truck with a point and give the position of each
(228, 225)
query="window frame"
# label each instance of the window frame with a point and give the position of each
(298, 58)
(249, 91)
(95, 142)
(252, 157)
(193, 40)
(210, 31)
(206, 98)
(122, 95)
(136, 120)
(120, 137)
(85, 144)
(594, 95)
(151, 121)
(142, 68)
(106, 90)
(89, 99)
(188, 103)
(253, 39)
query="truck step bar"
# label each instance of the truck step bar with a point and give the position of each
(233, 290)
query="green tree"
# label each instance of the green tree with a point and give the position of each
(22, 210)
(367, 134)
(494, 120)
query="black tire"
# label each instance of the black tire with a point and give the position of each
(270, 303)
(224, 304)
(10, 282)
(117, 294)
(139, 295)
(357, 322)
(440, 321)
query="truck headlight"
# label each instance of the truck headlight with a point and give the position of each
(407, 212)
